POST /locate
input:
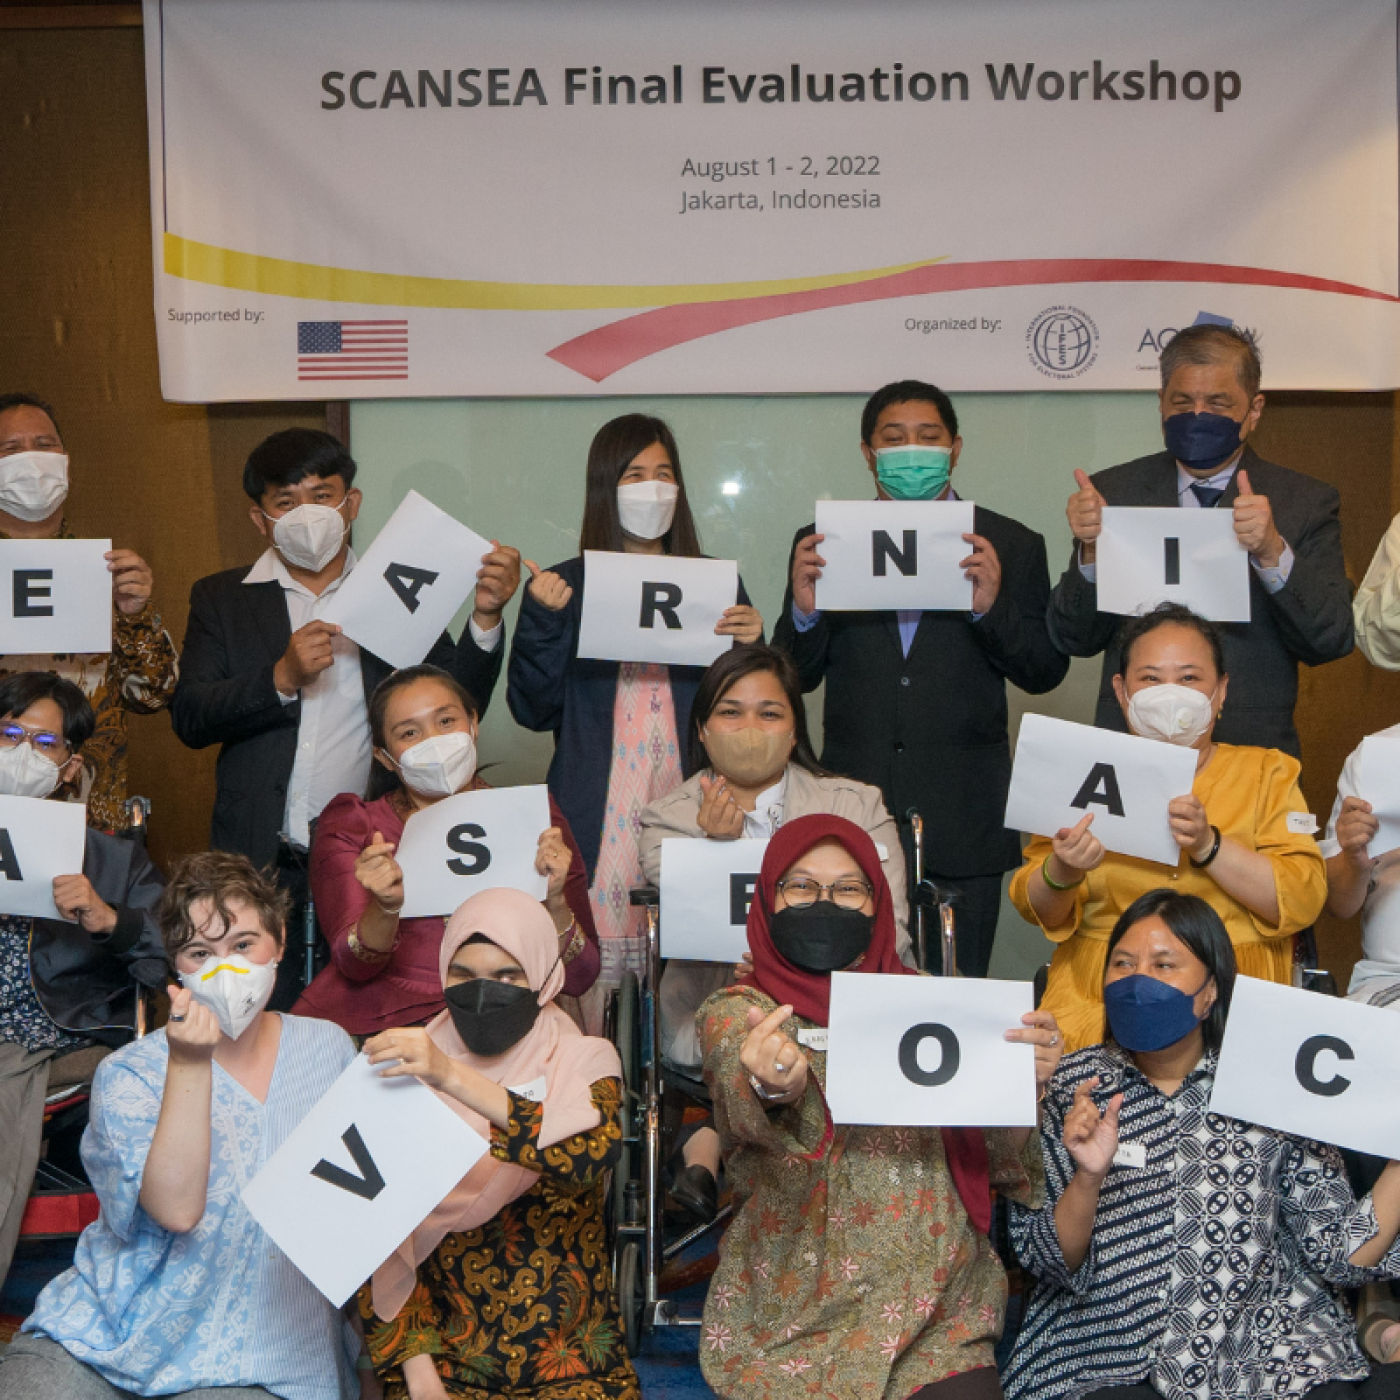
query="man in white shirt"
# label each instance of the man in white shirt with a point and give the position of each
(1360, 880)
(285, 693)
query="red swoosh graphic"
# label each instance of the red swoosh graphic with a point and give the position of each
(602, 352)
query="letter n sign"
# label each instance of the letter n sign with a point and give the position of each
(884, 551)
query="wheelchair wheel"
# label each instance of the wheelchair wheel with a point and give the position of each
(627, 1035)
(630, 1295)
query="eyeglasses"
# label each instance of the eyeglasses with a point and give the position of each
(52, 746)
(801, 892)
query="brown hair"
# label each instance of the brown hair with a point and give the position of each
(221, 877)
(609, 455)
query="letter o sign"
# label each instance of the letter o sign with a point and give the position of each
(909, 1065)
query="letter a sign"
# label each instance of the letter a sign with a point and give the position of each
(400, 596)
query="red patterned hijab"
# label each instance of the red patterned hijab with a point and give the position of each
(809, 993)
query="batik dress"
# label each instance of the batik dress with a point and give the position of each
(523, 1305)
(851, 1270)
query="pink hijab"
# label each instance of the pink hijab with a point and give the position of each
(569, 1061)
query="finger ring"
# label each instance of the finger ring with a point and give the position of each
(177, 1018)
(782, 1069)
(1054, 1038)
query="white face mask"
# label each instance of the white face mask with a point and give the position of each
(309, 537)
(233, 988)
(440, 766)
(33, 484)
(1175, 713)
(24, 772)
(646, 508)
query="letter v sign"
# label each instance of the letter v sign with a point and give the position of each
(368, 1184)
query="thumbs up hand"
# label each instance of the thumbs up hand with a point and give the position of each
(1254, 525)
(1085, 515)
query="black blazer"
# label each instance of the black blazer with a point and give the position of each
(1307, 620)
(85, 982)
(930, 730)
(237, 633)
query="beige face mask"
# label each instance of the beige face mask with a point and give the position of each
(748, 756)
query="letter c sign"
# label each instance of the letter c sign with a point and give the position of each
(1305, 1066)
(909, 1054)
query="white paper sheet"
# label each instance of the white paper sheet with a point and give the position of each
(929, 1052)
(409, 583)
(706, 887)
(1151, 554)
(885, 555)
(1125, 781)
(632, 604)
(55, 596)
(1378, 782)
(413, 1151)
(1319, 1066)
(475, 841)
(38, 841)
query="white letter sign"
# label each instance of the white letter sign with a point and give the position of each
(359, 1174)
(483, 840)
(894, 554)
(653, 607)
(55, 596)
(1063, 771)
(408, 586)
(38, 840)
(1319, 1066)
(929, 1052)
(1149, 555)
(706, 887)
(1378, 782)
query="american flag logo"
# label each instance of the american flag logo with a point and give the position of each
(352, 350)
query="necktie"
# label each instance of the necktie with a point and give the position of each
(1207, 495)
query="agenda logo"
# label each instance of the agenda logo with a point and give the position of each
(1062, 342)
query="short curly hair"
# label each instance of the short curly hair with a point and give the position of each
(223, 879)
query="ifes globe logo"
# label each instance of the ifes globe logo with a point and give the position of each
(1063, 342)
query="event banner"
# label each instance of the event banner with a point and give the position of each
(518, 197)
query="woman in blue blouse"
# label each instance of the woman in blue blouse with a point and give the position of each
(1179, 1253)
(615, 724)
(176, 1289)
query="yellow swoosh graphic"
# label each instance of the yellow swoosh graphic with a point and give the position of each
(251, 272)
(222, 967)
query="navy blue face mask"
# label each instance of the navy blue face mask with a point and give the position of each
(1201, 440)
(1145, 1013)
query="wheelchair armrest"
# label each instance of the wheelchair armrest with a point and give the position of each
(931, 896)
(643, 896)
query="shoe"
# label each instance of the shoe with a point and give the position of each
(696, 1191)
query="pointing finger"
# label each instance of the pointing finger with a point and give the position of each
(1081, 479)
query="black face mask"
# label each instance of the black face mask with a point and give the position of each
(491, 1016)
(822, 937)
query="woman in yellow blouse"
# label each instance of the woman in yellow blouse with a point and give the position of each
(1261, 872)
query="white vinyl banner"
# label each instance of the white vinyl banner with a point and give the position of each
(706, 888)
(1063, 771)
(359, 1174)
(39, 840)
(420, 569)
(483, 840)
(929, 1052)
(894, 554)
(514, 197)
(1149, 555)
(655, 607)
(1319, 1066)
(55, 596)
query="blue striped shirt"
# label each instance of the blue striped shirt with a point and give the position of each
(158, 1313)
(1213, 1270)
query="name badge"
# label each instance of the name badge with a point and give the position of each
(1302, 823)
(1132, 1155)
(534, 1090)
(813, 1039)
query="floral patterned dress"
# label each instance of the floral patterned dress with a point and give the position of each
(851, 1270)
(522, 1306)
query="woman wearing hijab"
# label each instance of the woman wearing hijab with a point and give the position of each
(858, 1263)
(506, 1289)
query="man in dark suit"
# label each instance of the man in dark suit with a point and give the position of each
(916, 701)
(286, 693)
(1300, 599)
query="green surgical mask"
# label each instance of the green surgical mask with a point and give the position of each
(913, 473)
